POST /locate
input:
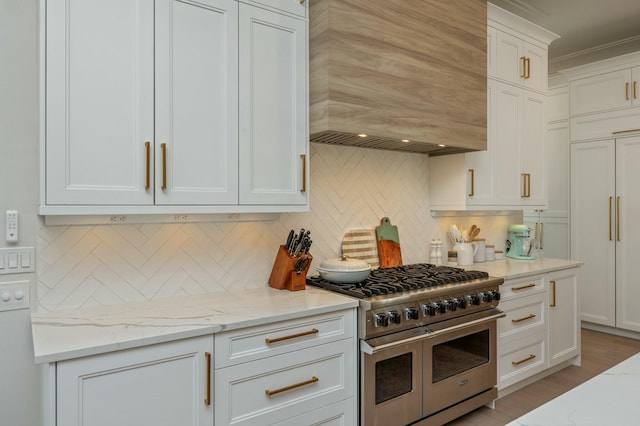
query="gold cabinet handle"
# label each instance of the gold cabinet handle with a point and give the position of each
(207, 400)
(313, 379)
(524, 287)
(164, 166)
(528, 68)
(472, 172)
(523, 60)
(528, 317)
(526, 185)
(635, 90)
(541, 236)
(529, 358)
(553, 293)
(610, 218)
(304, 172)
(626, 90)
(291, 336)
(618, 218)
(147, 146)
(626, 131)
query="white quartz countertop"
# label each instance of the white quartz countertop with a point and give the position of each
(89, 331)
(513, 268)
(610, 398)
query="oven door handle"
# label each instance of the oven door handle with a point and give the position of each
(431, 333)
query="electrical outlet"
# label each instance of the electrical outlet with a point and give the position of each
(14, 295)
(180, 218)
(118, 219)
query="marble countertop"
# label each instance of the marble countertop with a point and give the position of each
(610, 398)
(513, 268)
(89, 331)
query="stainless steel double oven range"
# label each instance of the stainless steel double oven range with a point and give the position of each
(427, 338)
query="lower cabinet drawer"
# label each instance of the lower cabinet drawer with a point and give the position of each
(270, 390)
(339, 414)
(521, 359)
(525, 316)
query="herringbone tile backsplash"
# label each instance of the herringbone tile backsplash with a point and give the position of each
(350, 188)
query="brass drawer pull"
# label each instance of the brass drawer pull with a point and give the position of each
(626, 91)
(472, 172)
(626, 131)
(553, 293)
(529, 358)
(610, 204)
(207, 400)
(313, 379)
(291, 336)
(524, 287)
(530, 316)
(635, 90)
(618, 218)
(524, 67)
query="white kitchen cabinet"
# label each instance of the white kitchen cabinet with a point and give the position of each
(510, 174)
(604, 178)
(273, 108)
(564, 315)
(520, 61)
(541, 328)
(165, 384)
(116, 142)
(301, 372)
(605, 92)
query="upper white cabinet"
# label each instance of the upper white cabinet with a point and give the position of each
(142, 106)
(510, 174)
(605, 98)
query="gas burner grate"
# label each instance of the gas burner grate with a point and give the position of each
(400, 279)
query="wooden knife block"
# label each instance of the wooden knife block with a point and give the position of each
(284, 276)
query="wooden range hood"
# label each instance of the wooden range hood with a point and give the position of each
(398, 70)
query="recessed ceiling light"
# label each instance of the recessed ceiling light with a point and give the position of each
(404, 140)
(441, 145)
(362, 135)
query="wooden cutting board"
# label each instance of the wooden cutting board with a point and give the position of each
(388, 242)
(361, 244)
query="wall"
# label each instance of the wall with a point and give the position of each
(351, 188)
(19, 385)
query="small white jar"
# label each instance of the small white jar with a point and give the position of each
(490, 252)
(481, 252)
(499, 254)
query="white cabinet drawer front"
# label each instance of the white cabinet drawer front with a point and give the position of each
(520, 287)
(298, 382)
(258, 342)
(521, 359)
(598, 126)
(524, 316)
(339, 414)
(160, 385)
(294, 7)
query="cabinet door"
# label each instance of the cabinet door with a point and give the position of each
(556, 165)
(480, 186)
(507, 179)
(509, 54)
(603, 92)
(592, 227)
(627, 233)
(196, 102)
(533, 137)
(99, 101)
(160, 385)
(537, 67)
(551, 234)
(564, 320)
(273, 108)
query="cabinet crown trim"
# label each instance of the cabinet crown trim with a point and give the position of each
(600, 67)
(520, 25)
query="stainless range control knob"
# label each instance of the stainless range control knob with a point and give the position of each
(429, 310)
(450, 305)
(495, 294)
(486, 297)
(411, 313)
(380, 320)
(442, 307)
(474, 300)
(394, 317)
(459, 303)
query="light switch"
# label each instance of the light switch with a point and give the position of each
(13, 260)
(25, 260)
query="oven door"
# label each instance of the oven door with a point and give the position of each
(391, 385)
(459, 361)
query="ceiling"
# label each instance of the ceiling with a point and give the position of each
(590, 30)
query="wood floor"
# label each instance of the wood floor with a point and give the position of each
(600, 352)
